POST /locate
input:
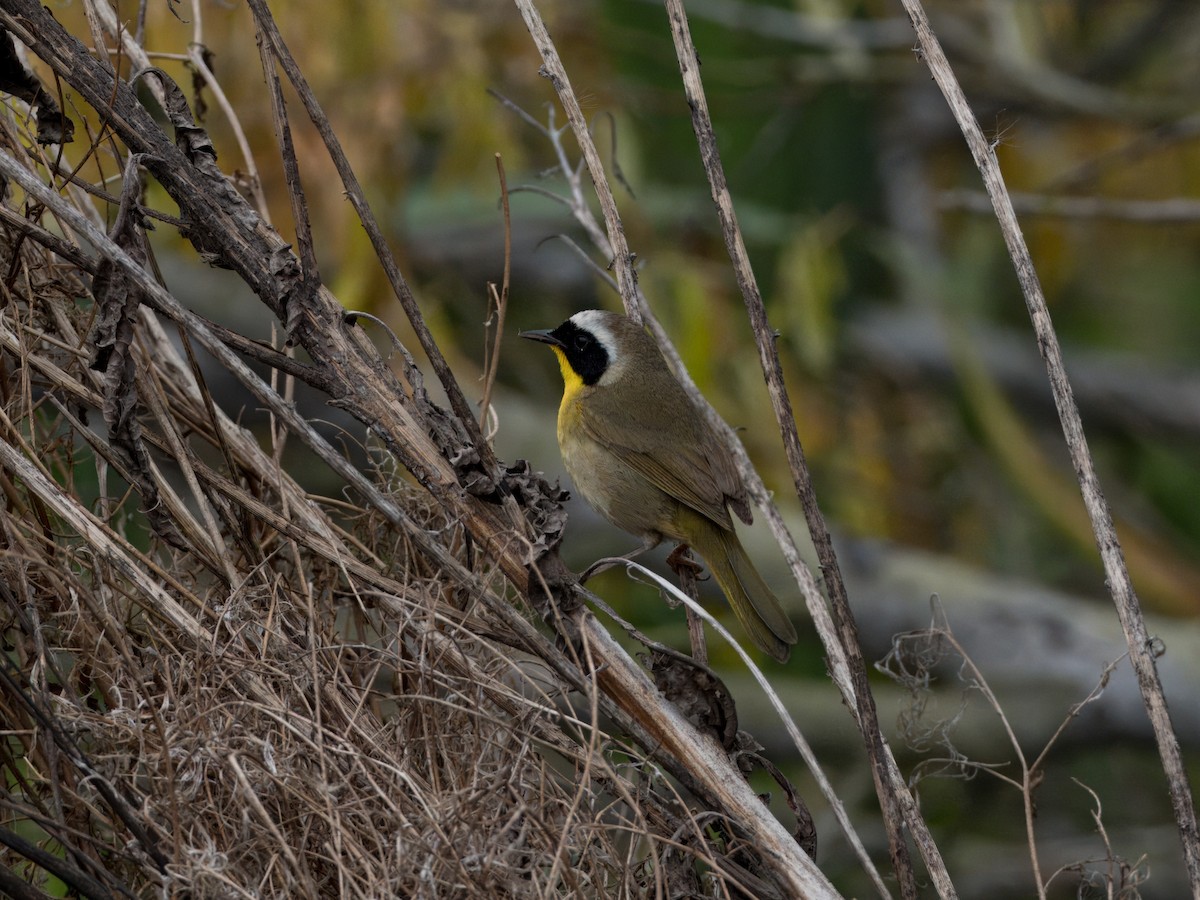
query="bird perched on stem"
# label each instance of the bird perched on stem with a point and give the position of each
(641, 454)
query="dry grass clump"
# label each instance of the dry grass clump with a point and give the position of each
(210, 701)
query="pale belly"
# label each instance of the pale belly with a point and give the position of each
(619, 493)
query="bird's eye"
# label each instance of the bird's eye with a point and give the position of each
(582, 341)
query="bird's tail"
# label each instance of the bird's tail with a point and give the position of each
(756, 607)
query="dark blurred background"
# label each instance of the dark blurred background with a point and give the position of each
(921, 399)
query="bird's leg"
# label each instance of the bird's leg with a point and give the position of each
(649, 542)
(685, 569)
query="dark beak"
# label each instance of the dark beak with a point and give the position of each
(544, 335)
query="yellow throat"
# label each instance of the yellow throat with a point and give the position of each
(572, 383)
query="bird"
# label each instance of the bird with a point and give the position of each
(643, 456)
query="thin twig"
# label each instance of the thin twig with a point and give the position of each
(685, 570)
(596, 270)
(499, 301)
(291, 166)
(1028, 772)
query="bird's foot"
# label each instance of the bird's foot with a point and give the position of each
(680, 560)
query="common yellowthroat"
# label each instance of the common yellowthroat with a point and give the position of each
(642, 455)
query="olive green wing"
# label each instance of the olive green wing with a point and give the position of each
(726, 475)
(669, 444)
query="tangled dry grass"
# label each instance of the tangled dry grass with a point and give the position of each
(236, 709)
